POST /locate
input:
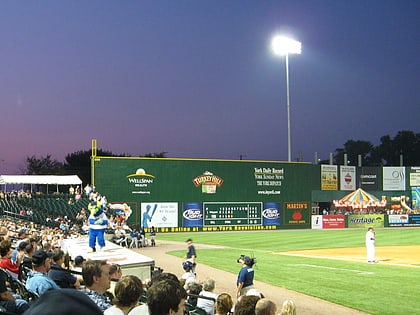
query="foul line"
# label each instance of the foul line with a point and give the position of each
(333, 268)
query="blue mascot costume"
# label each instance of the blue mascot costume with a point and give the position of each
(98, 222)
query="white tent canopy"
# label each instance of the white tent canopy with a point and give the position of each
(40, 179)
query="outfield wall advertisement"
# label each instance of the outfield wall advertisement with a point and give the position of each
(366, 220)
(359, 221)
(211, 195)
(328, 222)
(370, 178)
(329, 177)
(173, 193)
(404, 220)
(393, 178)
(347, 178)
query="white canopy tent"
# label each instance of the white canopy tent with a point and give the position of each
(40, 180)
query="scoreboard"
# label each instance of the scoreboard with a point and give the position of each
(232, 213)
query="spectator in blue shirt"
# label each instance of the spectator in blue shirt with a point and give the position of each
(38, 280)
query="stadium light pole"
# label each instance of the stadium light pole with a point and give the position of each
(284, 46)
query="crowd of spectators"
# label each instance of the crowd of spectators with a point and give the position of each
(32, 255)
(109, 292)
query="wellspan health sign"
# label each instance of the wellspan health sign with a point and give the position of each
(366, 220)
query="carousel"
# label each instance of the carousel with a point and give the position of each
(360, 200)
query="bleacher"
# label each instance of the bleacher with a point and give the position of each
(43, 206)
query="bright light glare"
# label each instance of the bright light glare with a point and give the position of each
(283, 45)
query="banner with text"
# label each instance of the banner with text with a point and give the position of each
(347, 177)
(365, 220)
(333, 221)
(296, 214)
(329, 179)
(370, 178)
(393, 178)
(414, 176)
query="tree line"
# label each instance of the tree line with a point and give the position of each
(405, 147)
(387, 153)
(76, 163)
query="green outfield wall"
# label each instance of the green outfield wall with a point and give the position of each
(172, 193)
(212, 195)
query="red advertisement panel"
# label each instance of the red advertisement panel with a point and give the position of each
(333, 221)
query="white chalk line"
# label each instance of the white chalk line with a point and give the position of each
(334, 268)
(349, 258)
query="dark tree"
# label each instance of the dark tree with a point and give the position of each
(156, 155)
(43, 166)
(405, 143)
(353, 150)
(79, 163)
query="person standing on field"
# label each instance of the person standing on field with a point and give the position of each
(370, 245)
(191, 253)
(245, 280)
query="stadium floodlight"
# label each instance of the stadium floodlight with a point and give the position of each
(284, 46)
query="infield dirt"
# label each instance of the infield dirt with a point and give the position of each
(407, 256)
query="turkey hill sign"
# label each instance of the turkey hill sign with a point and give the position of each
(208, 182)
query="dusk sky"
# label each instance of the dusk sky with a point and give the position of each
(198, 79)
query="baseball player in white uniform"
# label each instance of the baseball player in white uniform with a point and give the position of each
(370, 245)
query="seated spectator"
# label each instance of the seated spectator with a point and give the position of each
(115, 273)
(38, 280)
(26, 264)
(207, 304)
(64, 302)
(61, 276)
(193, 289)
(21, 251)
(224, 304)
(166, 297)
(127, 296)
(6, 263)
(4, 233)
(288, 308)
(17, 254)
(265, 307)
(119, 235)
(97, 281)
(188, 275)
(79, 261)
(135, 237)
(143, 239)
(47, 247)
(7, 300)
(246, 305)
(77, 266)
(160, 276)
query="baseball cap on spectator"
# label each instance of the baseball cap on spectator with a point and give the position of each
(79, 259)
(247, 259)
(64, 302)
(21, 233)
(187, 265)
(40, 256)
(22, 245)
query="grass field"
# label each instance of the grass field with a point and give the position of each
(376, 289)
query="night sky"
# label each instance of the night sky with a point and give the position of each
(198, 79)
